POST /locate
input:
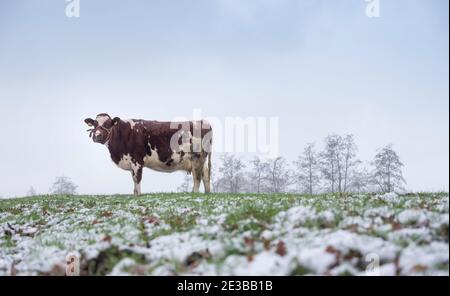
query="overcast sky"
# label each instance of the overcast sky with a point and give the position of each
(320, 66)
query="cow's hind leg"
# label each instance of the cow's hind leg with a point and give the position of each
(137, 178)
(197, 173)
(197, 176)
(206, 181)
(207, 176)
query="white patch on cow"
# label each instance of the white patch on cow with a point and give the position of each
(135, 167)
(97, 133)
(137, 188)
(101, 119)
(153, 161)
(131, 122)
(176, 157)
(186, 141)
(125, 163)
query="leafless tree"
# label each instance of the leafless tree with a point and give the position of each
(337, 161)
(328, 161)
(186, 186)
(336, 166)
(359, 177)
(63, 186)
(387, 172)
(31, 191)
(215, 179)
(349, 161)
(278, 176)
(258, 170)
(232, 177)
(306, 174)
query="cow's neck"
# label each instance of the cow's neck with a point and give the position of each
(117, 144)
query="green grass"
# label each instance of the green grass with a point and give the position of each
(236, 221)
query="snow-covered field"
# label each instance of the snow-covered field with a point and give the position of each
(225, 234)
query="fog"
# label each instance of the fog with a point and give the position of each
(320, 67)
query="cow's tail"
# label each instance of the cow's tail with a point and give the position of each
(210, 149)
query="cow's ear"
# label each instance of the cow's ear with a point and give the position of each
(91, 122)
(115, 120)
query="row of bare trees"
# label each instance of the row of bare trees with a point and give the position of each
(335, 169)
(61, 186)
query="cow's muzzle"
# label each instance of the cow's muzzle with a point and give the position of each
(98, 138)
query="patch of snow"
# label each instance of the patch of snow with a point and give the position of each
(119, 268)
(412, 216)
(316, 259)
(390, 197)
(420, 259)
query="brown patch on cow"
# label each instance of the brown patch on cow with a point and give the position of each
(155, 134)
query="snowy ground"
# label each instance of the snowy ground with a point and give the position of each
(223, 234)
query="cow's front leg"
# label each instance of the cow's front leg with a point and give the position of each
(137, 178)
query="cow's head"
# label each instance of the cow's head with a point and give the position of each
(101, 127)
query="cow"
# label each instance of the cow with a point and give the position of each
(161, 146)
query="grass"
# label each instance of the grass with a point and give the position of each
(177, 233)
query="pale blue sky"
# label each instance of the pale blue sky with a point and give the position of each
(321, 66)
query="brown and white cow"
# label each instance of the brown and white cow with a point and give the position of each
(161, 146)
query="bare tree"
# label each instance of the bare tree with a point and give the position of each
(359, 177)
(232, 174)
(349, 161)
(387, 172)
(215, 180)
(63, 186)
(31, 191)
(256, 175)
(337, 161)
(278, 176)
(186, 186)
(328, 157)
(307, 175)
